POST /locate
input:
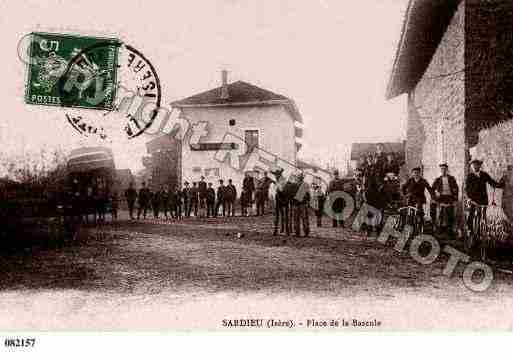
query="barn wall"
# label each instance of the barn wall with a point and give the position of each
(436, 107)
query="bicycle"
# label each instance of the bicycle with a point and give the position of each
(477, 233)
(413, 216)
(442, 216)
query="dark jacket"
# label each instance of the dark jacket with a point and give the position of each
(416, 190)
(248, 184)
(453, 186)
(475, 186)
(194, 194)
(202, 189)
(221, 193)
(230, 192)
(391, 167)
(144, 195)
(131, 194)
(211, 195)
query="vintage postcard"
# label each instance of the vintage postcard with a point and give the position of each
(257, 166)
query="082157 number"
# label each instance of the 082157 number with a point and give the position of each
(19, 342)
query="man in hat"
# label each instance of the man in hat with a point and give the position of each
(194, 199)
(202, 193)
(415, 191)
(475, 184)
(335, 187)
(210, 200)
(301, 204)
(475, 187)
(230, 197)
(131, 196)
(144, 201)
(246, 198)
(186, 199)
(446, 191)
(262, 193)
(221, 198)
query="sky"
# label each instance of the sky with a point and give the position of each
(333, 58)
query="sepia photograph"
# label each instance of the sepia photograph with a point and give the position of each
(255, 166)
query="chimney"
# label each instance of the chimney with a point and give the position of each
(224, 85)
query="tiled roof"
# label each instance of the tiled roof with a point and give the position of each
(424, 25)
(240, 93)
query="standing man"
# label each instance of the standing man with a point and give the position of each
(415, 191)
(446, 192)
(194, 194)
(156, 200)
(262, 193)
(144, 198)
(248, 187)
(178, 194)
(221, 198)
(131, 196)
(231, 196)
(164, 201)
(186, 199)
(171, 201)
(202, 192)
(380, 160)
(336, 186)
(301, 207)
(475, 187)
(211, 200)
(318, 200)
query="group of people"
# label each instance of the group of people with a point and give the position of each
(376, 182)
(201, 199)
(445, 190)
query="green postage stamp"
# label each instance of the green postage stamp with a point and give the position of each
(72, 71)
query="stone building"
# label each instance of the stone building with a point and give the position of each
(237, 128)
(163, 164)
(453, 62)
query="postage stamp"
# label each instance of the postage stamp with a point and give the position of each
(92, 73)
(134, 99)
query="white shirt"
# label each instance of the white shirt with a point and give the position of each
(446, 190)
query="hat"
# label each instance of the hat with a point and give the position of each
(415, 169)
(443, 165)
(475, 160)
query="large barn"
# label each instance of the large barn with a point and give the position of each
(454, 63)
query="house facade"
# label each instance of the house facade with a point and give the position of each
(234, 129)
(453, 63)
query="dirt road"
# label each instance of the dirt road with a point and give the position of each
(195, 273)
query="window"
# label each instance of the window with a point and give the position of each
(251, 139)
(232, 122)
(214, 146)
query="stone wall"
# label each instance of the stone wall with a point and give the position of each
(436, 107)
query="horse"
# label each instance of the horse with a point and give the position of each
(285, 192)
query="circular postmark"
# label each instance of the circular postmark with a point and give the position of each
(110, 88)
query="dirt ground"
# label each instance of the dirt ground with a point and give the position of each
(195, 273)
